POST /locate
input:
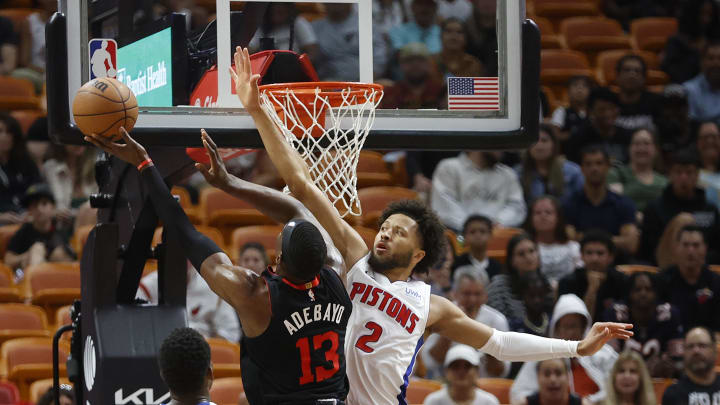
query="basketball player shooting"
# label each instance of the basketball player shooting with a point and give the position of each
(294, 319)
(393, 313)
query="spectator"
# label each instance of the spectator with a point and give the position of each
(32, 44)
(704, 89)
(8, 46)
(17, 171)
(596, 207)
(420, 166)
(457, 9)
(601, 128)
(471, 297)
(277, 23)
(700, 384)
(476, 232)
(40, 240)
(67, 396)
(638, 107)
(534, 290)
(482, 36)
(657, 325)
(70, 173)
(254, 257)
(461, 371)
(420, 86)
(504, 289)
(629, 382)
(207, 313)
(388, 14)
(422, 29)
(475, 183)
(565, 119)
(690, 285)
(638, 180)
(185, 366)
(599, 283)
(698, 24)
(338, 45)
(588, 375)
(453, 60)
(674, 127)
(544, 171)
(553, 385)
(682, 195)
(708, 147)
(559, 255)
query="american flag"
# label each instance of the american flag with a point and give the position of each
(473, 93)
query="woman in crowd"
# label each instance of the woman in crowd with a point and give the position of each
(453, 60)
(17, 170)
(629, 382)
(554, 383)
(545, 171)
(70, 173)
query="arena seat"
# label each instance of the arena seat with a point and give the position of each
(659, 385)
(6, 232)
(225, 357)
(25, 360)
(225, 391)
(26, 118)
(52, 285)
(548, 38)
(9, 394)
(501, 236)
(186, 203)
(635, 268)
(593, 34)
(499, 387)
(40, 387)
(557, 10)
(8, 290)
(557, 66)
(452, 238)
(374, 200)
(62, 317)
(420, 388)
(226, 212)
(372, 170)
(715, 268)
(80, 236)
(17, 94)
(651, 33)
(19, 14)
(211, 232)
(22, 320)
(266, 235)
(607, 62)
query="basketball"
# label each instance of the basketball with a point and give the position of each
(102, 106)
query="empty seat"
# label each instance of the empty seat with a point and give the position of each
(52, 285)
(25, 360)
(557, 10)
(22, 320)
(557, 66)
(548, 38)
(374, 200)
(9, 292)
(593, 34)
(17, 94)
(659, 385)
(651, 33)
(226, 212)
(225, 391)
(636, 268)
(501, 236)
(266, 235)
(607, 66)
(225, 358)
(499, 387)
(420, 388)
(372, 170)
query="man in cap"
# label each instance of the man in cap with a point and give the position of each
(461, 371)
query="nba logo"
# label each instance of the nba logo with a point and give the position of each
(103, 58)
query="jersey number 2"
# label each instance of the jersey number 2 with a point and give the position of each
(331, 355)
(362, 342)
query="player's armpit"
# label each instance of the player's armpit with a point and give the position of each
(448, 320)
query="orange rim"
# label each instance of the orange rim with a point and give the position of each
(333, 91)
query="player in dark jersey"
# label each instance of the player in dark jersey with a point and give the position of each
(293, 318)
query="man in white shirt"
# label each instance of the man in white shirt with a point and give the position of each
(461, 370)
(470, 295)
(207, 313)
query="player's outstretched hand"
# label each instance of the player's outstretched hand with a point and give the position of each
(131, 151)
(217, 174)
(246, 83)
(601, 333)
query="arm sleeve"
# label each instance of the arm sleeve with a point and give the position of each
(197, 246)
(515, 346)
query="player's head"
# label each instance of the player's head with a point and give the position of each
(185, 366)
(411, 236)
(302, 251)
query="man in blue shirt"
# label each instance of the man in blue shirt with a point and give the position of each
(424, 29)
(596, 207)
(704, 89)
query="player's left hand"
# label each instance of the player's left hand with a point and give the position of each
(601, 333)
(131, 152)
(217, 174)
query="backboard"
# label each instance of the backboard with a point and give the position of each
(180, 67)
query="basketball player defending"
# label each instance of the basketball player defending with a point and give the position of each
(392, 313)
(294, 319)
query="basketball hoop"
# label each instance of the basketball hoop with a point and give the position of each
(327, 123)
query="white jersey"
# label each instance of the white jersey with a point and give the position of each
(385, 333)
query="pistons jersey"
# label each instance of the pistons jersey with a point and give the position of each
(385, 333)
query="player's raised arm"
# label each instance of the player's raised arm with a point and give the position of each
(449, 321)
(291, 167)
(232, 283)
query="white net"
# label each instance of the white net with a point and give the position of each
(328, 129)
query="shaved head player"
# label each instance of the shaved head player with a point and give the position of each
(392, 313)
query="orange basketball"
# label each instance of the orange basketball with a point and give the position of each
(102, 106)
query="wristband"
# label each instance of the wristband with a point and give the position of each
(144, 164)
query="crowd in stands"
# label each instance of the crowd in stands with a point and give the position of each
(613, 215)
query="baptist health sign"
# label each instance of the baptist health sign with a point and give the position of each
(145, 66)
